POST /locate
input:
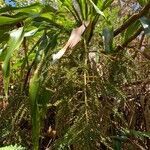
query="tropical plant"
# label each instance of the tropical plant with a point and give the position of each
(82, 86)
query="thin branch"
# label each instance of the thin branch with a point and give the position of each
(136, 144)
(136, 83)
(132, 19)
(141, 41)
(85, 82)
(25, 49)
(125, 44)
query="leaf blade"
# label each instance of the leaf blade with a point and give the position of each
(16, 38)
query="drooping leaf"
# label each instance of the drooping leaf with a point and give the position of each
(21, 13)
(75, 37)
(9, 20)
(16, 37)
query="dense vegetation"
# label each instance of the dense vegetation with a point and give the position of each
(75, 75)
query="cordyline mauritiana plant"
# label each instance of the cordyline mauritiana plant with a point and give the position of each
(62, 75)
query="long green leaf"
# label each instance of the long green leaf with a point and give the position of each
(33, 93)
(36, 111)
(16, 37)
(97, 9)
(9, 20)
(22, 13)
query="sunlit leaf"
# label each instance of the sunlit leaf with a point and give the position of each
(75, 37)
(16, 37)
(30, 33)
(97, 9)
(9, 20)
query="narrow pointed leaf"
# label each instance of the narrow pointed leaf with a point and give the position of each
(97, 9)
(33, 94)
(16, 37)
(9, 20)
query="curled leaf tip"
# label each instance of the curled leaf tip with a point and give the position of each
(58, 55)
(73, 40)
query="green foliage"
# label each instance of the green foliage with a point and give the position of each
(16, 37)
(97, 9)
(90, 97)
(12, 147)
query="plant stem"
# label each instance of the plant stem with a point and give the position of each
(85, 81)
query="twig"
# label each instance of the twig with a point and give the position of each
(132, 19)
(85, 82)
(141, 40)
(25, 48)
(136, 144)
